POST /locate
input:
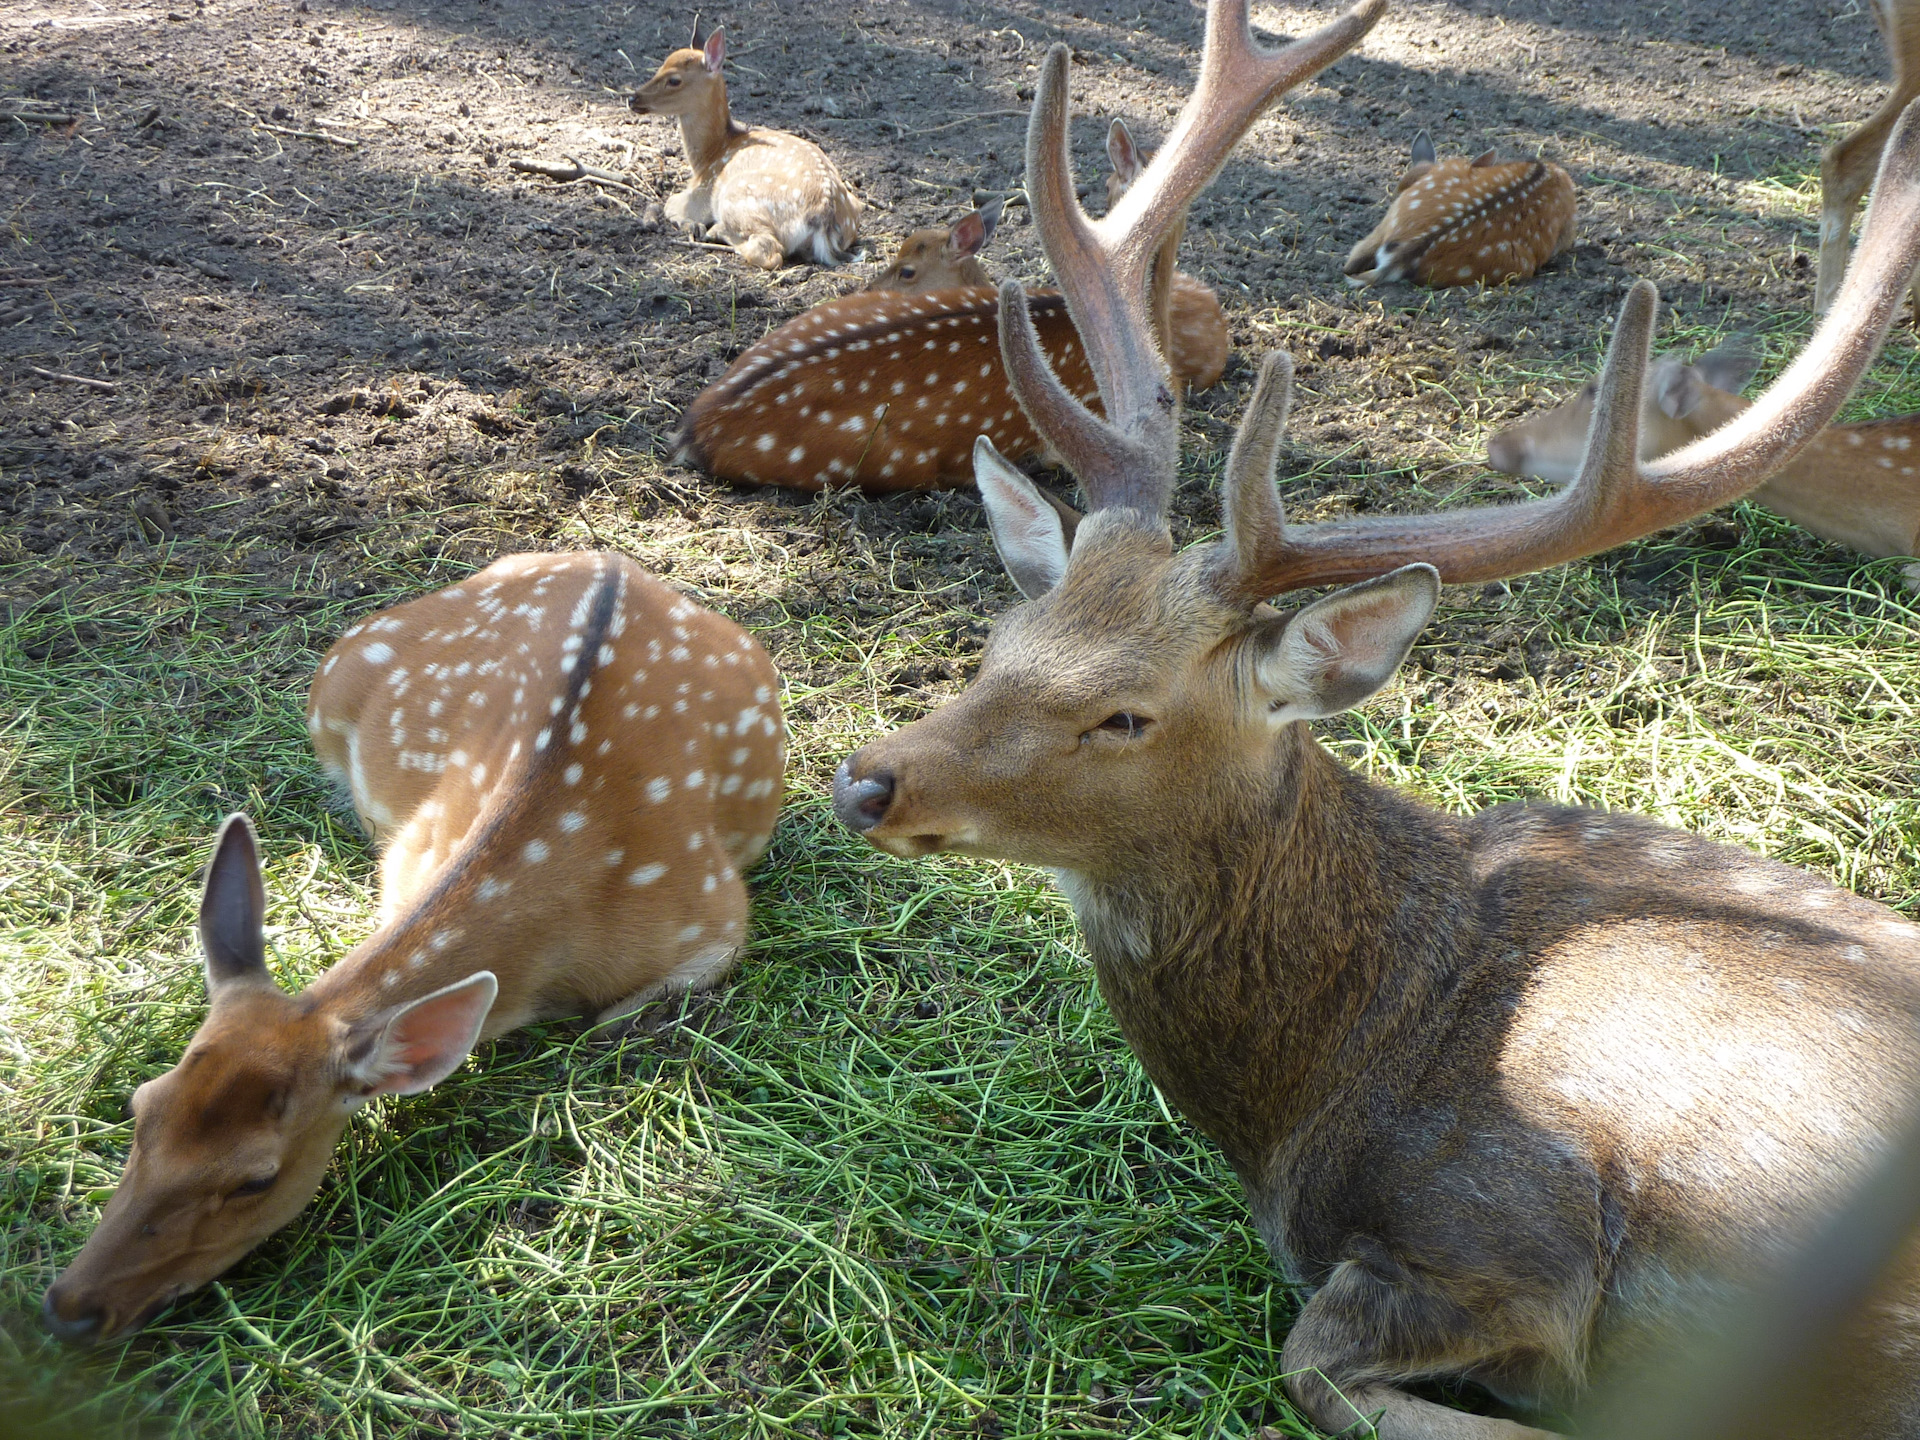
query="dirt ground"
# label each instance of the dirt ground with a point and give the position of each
(289, 234)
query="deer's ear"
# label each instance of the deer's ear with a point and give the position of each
(1423, 153)
(1729, 365)
(970, 233)
(1027, 530)
(233, 908)
(1676, 388)
(714, 52)
(417, 1045)
(1484, 158)
(1122, 153)
(1338, 651)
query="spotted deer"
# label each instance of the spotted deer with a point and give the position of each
(1846, 169)
(1455, 222)
(566, 766)
(889, 388)
(1857, 485)
(766, 193)
(1515, 1097)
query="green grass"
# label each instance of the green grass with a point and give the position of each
(900, 1177)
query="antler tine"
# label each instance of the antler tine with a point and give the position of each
(1616, 498)
(1103, 267)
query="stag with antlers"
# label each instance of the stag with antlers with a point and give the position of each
(1514, 1095)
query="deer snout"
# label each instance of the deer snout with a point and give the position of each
(1507, 453)
(82, 1328)
(861, 804)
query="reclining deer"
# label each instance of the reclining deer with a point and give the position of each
(1461, 222)
(567, 767)
(888, 390)
(1513, 1095)
(766, 193)
(1857, 485)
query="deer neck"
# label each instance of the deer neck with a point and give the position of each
(460, 922)
(1291, 933)
(708, 132)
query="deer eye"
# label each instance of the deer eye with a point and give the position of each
(1126, 724)
(253, 1187)
(673, 80)
(906, 272)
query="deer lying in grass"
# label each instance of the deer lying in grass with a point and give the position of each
(1515, 1095)
(1846, 169)
(1454, 222)
(888, 389)
(1857, 485)
(566, 766)
(766, 193)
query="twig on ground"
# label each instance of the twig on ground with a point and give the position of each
(572, 170)
(350, 144)
(37, 117)
(106, 387)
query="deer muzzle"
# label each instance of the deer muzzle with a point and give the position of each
(861, 804)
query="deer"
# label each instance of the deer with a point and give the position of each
(1847, 167)
(1857, 485)
(567, 766)
(1511, 1096)
(887, 388)
(764, 192)
(1458, 222)
(1198, 343)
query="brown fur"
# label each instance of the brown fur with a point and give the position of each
(1856, 485)
(1515, 1094)
(821, 392)
(1456, 222)
(766, 193)
(519, 836)
(1847, 167)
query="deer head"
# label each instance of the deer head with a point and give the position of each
(1139, 691)
(1681, 403)
(936, 259)
(688, 81)
(230, 1144)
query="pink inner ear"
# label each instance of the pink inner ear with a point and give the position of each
(426, 1042)
(715, 51)
(968, 234)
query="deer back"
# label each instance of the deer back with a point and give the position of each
(566, 766)
(1455, 222)
(878, 389)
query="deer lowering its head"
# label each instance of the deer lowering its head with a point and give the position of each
(566, 766)
(1513, 1095)
(1858, 485)
(1454, 222)
(766, 193)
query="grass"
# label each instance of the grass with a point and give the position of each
(901, 1177)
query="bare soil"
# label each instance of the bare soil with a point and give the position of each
(288, 233)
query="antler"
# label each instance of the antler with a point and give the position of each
(1103, 266)
(1615, 498)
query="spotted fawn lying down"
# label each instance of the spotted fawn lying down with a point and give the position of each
(766, 193)
(566, 765)
(1454, 222)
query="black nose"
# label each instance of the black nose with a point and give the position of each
(72, 1332)
(637, 105)
(861, 804)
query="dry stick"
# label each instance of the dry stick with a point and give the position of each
(572, 170)
(40, 117)
(106, 387)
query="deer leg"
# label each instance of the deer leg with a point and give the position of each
(1357, 1326)
(1846, 172)
(705, 970)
